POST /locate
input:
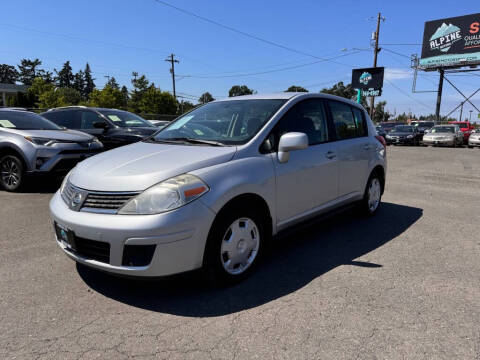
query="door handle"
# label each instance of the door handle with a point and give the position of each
(330, 155)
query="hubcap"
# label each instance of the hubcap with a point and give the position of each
(374, 192)
(240, 246)
(10, 172)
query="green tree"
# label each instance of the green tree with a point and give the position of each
(380, 114)
(108, 97)
(45, 75)
(140, 86)
(65, 76)
(112, 82)
(205, 98)
(295, 88)
(345, 91)
(59, 97)
(27, 70)
(186, 106)
(79, 82)
(125, 96)
(155, 101)
(8, 74)
(238, 90)
(89, 81)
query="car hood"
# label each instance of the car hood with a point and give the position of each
(399, 133)
(64, 135)
(138, 166)
(433, 135)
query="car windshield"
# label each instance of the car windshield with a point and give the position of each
(403, 128)
(232, 122)
(443, 129)
(125, 119)
(425, 124)
(24, 120)
(461, 125)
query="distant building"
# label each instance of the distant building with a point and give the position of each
(10, 89)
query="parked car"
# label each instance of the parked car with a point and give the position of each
(112, 127)
(474, 139)
(192, 197)
(423, 126)
(444, 135)
(381, 131)
(404, 134)
(30, 144)
(159, 123)
(466, 127)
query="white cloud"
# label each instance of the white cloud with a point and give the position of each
(397, 74)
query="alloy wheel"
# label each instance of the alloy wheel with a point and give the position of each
(10, 172)
(374, 193)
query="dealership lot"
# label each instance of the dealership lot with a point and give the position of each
(404, 284)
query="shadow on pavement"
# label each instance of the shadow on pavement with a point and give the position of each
(291, 263)
(42, 184)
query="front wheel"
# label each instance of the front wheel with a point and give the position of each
(373, 195)
(234, 246)
(11, 173)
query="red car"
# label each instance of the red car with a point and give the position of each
(466, 128)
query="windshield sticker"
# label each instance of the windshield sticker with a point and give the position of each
(7, 124)
(114, 118)
(198, 132)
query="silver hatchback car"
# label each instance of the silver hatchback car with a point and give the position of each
(30, 144)
(213, 187)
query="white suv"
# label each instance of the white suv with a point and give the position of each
(211, 188)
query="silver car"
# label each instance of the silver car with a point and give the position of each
(444, 135)
(30, 144)
(474, 139)
(214, 186)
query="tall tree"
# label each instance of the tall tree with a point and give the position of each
(140, 86)
(8, 74)
(65, 76)
(107, 97)
(125, 96)
(79, 82)
(28, 70)
(45, 75)
(238, 90)
(155, 101)
(205, 98)
(112, 82)
(380, 114)
(295, 88)
(89, 80)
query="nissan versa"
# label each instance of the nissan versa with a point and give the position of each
(213, 187)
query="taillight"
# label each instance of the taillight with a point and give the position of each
(382, 140)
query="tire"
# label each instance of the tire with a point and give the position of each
(230, 261)
(372, 197)
(12, 175)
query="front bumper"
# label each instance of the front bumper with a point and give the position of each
(179, 237)
(439, 142)
(405, 140)
(473, 141)
(61, 157)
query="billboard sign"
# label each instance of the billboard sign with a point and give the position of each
(368, 80)
(451, 42)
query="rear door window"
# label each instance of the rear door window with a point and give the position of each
(88, 118)
(343, 120)
(360, 122)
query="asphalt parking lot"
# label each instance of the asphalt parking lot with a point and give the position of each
(402, 285)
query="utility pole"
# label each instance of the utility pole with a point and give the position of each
(461, 110)
(375, 54)
(439, 95)
(171, 59)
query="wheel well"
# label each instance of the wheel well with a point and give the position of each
(250, 200)
(379, 170)
(9, 151)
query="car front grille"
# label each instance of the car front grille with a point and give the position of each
(96, 201)
(91, 249)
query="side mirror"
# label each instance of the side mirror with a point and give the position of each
(290, 142)
(100, 125)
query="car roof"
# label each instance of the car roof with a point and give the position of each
(82, 107)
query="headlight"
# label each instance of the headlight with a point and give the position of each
(40, 141)
(63, 187)
(409, 136)
(165, 196)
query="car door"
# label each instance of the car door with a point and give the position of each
(309, 178)
(87, 119)
(353, 147)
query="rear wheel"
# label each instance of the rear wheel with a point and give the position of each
(235, 245)
(11, 173)
(373, 195)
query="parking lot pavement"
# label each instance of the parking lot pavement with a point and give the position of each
(402, 285)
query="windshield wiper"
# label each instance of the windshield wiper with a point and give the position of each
(193, 141)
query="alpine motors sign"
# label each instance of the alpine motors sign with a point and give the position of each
(368, 80)
(452, 42)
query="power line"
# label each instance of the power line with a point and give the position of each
(252, 36)
(408, 95)
(396, 53)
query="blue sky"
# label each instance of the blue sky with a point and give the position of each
(118, 37)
